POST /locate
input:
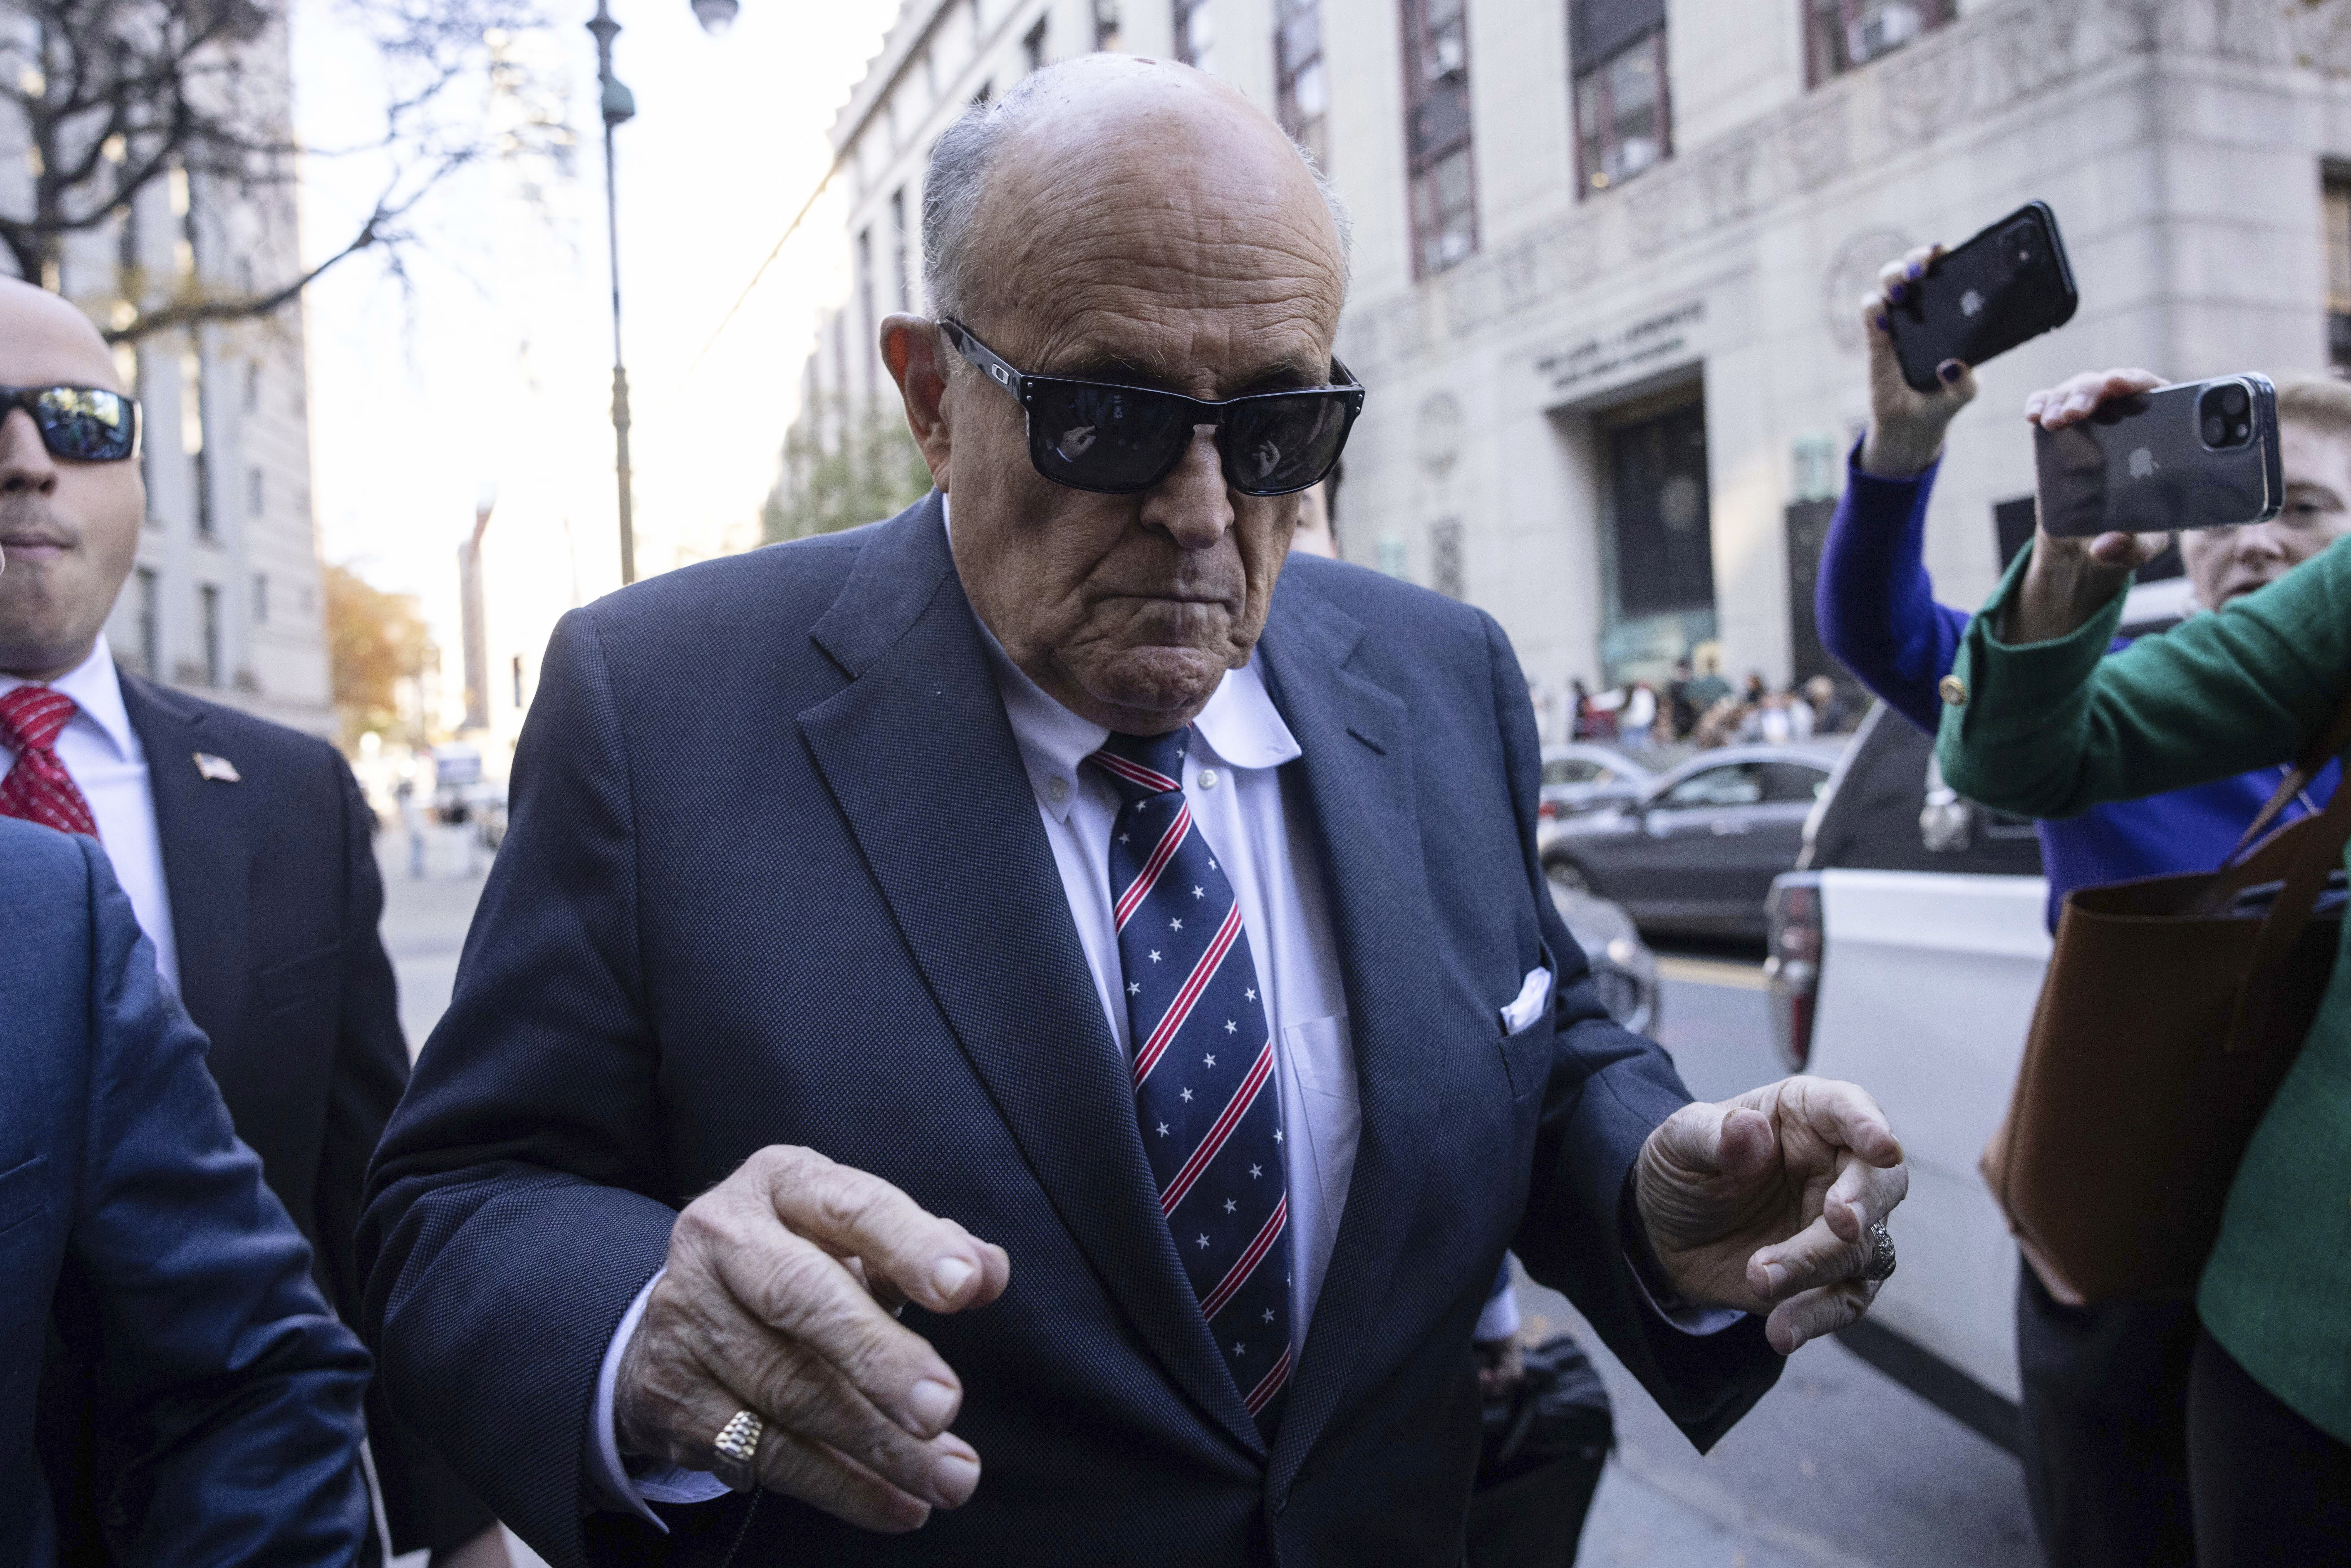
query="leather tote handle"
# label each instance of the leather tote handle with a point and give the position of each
(2319, 852)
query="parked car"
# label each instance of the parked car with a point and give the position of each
(1584, 774)
(1696, 850)
(1907, 953)
(1624, 971)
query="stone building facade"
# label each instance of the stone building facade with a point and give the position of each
(225, 600)
(1608, 255)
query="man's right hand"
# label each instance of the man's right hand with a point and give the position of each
(2071, 579)
(771, 1305)
(1905, 425)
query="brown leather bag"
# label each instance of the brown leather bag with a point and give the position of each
(2172, 1010)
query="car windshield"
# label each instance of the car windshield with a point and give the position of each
(1730, 784)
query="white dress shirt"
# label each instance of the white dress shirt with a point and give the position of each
(101, 751)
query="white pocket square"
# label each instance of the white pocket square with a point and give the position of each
(1527, 1005)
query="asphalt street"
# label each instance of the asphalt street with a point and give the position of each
(1838, 1467)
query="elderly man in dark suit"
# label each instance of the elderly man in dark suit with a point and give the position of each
(246, 851)
(1053, 858)
(228, 1398)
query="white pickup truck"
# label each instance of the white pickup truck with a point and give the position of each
(1907, 954)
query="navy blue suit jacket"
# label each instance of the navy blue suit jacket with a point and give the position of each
(228, 1398)
(774, 875)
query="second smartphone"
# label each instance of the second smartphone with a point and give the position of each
(2202, 454)
(2008, 283)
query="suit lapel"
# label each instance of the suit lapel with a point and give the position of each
(988, 925)
(200, 831)
(1356, 763)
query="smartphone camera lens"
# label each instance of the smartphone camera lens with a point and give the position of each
(2223, 415)
(2018, 241)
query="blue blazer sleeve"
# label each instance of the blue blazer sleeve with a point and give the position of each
(1608, 1090)
(1873, 601)
(228, 1395)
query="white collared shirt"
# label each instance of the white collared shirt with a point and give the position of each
(101, 751)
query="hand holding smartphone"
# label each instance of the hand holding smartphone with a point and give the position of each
(2010, 283)
(2202, 454)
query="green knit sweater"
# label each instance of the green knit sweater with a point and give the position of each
(2049, 729)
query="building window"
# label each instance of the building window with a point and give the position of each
(150, 627)
(1623, 123)
(1196, 33)
(1032, 47)
(2338, 269)
(191, 439)
(865, 296)
(898, 256)
(1660, 543)
(518, 683)
(209, 617)
(1445, 573)
(1437, 134)
(255, 487)
(261, 599)
(1106, 26)
(1298, 65)
(1840, 35)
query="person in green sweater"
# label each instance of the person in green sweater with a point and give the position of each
(2041, 720)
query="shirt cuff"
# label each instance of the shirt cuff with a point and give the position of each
(1500, 1320)
(628, 1493)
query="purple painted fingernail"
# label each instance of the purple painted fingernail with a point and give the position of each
(1913, 271)
(1898, 292)
(1882, 324)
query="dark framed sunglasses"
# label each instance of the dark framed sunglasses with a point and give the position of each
(80, 425)
(1119, 440)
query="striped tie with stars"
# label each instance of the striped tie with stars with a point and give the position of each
(1203, 1060)
(37, 788)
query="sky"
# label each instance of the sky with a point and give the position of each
(487, 375)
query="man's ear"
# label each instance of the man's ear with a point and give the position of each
(911, 348)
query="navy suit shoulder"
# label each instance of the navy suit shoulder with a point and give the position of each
(227, 1396)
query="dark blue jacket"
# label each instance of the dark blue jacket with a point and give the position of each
(774, 875)
(1875, 609)
(228, 1421)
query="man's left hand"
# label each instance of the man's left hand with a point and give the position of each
(1764, 1203)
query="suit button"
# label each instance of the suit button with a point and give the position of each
(1954, 691)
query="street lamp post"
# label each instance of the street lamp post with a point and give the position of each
(620, 106)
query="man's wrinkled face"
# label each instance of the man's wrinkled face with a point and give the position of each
(2227, 563)
(1216, 274)
(68, 530)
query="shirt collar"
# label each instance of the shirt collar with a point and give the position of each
(96, 692)
(1240, 725)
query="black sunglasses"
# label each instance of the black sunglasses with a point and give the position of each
(81, 424)
(1118, 439)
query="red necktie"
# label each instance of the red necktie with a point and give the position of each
(39, 788)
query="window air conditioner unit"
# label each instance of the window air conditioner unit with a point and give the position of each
(1446, 60)
(1628, 158)
(1880, 30)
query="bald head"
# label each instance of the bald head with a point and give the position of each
(1110, 134)
(68, 530)
(44, 339)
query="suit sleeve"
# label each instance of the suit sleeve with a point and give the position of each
(425, 1505)
(228, 1397)
(1608, 1090)
(1874, 603)
(509, 1223)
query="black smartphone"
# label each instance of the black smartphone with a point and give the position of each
(2202, 454)
(2008, 283)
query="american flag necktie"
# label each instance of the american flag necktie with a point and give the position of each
(39, 788)
(1203, 1063)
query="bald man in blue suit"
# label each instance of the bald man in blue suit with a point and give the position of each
(133, 1221)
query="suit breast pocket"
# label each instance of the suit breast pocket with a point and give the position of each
(23, 1193)
(293, 981)
(1528, 1035)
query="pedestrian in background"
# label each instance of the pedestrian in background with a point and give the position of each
(2105, 1388)
(1681, 706)
(2055, 724)
(224, 1427)
(247, 851)
(1635, 719)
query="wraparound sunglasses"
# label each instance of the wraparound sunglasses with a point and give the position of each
(1118, 439)
(81, 424)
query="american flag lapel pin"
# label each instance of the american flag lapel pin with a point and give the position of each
(216, 770)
